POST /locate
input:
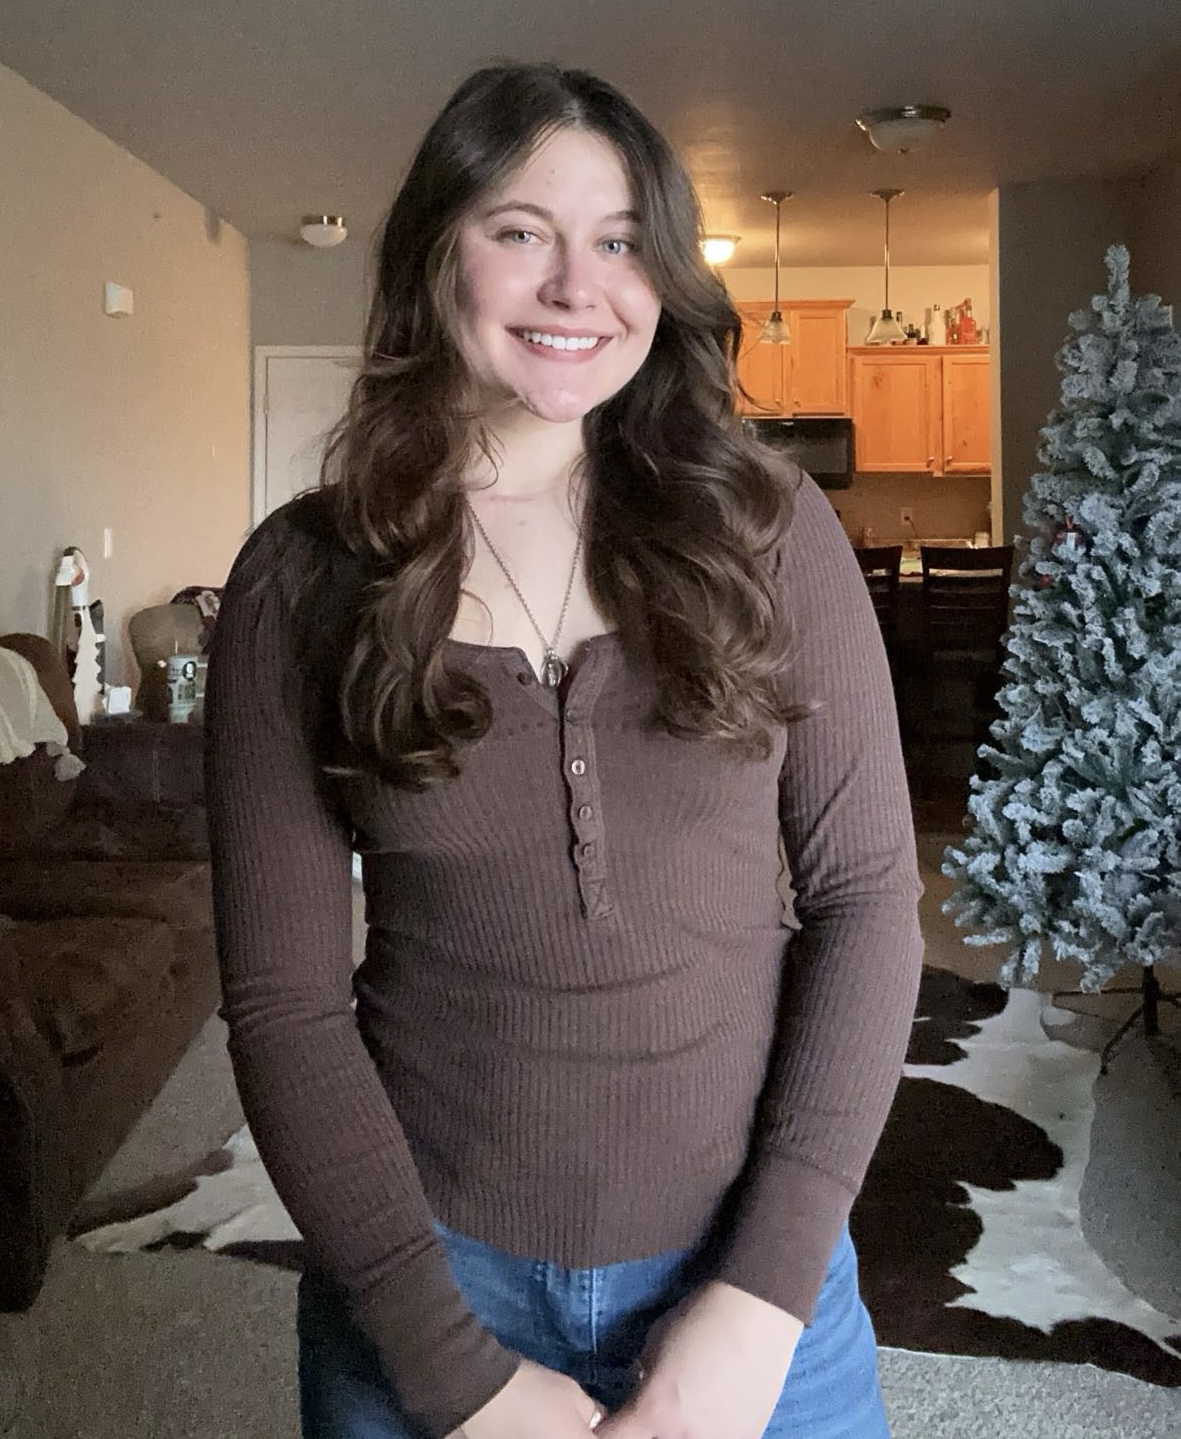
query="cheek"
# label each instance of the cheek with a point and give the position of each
(484, 278)
(639, 294)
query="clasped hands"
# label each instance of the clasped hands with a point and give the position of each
(713, 1368)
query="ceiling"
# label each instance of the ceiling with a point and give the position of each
(266, 109)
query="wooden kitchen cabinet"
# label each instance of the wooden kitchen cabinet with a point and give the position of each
(966, 400)
(807, 377)
(920, 409)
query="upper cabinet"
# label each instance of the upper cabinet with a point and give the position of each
(920, 409)
(806, 377)
(966, 400)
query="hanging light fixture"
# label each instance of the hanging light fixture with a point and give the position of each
(886, 330)
(775, 331)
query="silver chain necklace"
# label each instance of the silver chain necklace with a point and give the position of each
(553, 670)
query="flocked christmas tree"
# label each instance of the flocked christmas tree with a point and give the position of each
(1075, 850)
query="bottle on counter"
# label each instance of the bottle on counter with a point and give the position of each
(968, 333)
(952, 324)
(936, 326)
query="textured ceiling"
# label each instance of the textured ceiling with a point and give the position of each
(266, 109)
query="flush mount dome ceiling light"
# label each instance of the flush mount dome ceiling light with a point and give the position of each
(321, 232)
(899, 129)
(718, 249)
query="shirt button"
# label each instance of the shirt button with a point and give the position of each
(525, 677)
(585, 811)
(578, 766)
(588, 850)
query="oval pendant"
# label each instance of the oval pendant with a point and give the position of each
(552, 671)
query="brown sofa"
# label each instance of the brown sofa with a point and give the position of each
(107, 962)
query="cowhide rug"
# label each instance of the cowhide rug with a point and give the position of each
(967, 1227)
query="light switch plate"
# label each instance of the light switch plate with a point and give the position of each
(117, 299)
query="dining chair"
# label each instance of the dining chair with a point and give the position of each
(965, 610)
(881, 565)
(965, 603)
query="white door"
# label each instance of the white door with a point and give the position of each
(299, 396)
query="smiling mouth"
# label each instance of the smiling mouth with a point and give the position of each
(550, 341)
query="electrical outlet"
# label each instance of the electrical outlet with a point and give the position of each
(906, 515)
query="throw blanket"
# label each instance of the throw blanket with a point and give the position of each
(27, 718)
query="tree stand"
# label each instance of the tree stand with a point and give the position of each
(1152, 996)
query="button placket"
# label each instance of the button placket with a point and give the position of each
(581, 773)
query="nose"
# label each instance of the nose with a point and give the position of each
(571, 283)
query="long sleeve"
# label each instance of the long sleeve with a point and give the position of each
(323, 1122)
(853, 966)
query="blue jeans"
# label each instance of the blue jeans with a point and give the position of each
(590, 1324)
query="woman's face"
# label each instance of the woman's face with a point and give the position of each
(556, 311)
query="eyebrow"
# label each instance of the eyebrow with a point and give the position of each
(543, 214)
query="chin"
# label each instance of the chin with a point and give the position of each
(563, 407)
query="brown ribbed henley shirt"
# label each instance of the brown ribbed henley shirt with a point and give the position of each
(582, 1022)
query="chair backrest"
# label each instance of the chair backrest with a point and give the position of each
(965, 596)
(881, 566)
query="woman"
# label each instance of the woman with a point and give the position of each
(567, 660)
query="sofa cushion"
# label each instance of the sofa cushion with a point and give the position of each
(85, 981)
(106, 832)
(175, 892)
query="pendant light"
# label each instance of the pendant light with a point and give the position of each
(886, 330)
(775, 331)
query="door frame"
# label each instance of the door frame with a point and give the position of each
(263, 353)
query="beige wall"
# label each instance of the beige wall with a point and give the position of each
(138, 424)
(301, 296)
(1051, 239)
(944, 506)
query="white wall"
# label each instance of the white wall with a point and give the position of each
(138, 424)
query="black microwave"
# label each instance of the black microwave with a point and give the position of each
(820, 444)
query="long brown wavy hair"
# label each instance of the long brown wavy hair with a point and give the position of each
(683, 511)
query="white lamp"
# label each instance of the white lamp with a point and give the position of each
(775, 331)
(718, 249)
(886, 330)
(322, 232)
(903, 128)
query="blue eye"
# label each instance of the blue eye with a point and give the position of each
(620, 246)
(517, 236)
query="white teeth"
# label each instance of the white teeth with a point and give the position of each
(561, 342)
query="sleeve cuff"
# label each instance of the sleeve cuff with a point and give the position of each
(782, 1234)
(442, 1363)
